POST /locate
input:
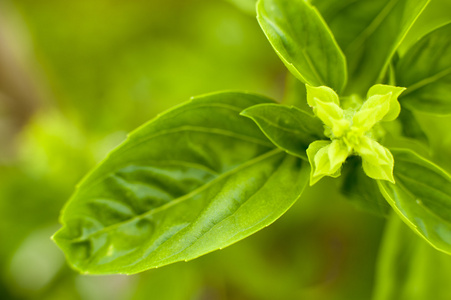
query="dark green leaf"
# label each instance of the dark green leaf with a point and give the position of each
(410, 126)
(369, 32)
(303, 41)
(421, 197)
(361, 189)
(426, 72)
(197, 178)
(409, 268)
(289, 128)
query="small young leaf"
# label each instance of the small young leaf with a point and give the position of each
(195, 179)
(322, 93)
(326, 106)
(377, 161)
(369, 32)
(394, 91)
(303, 41)
(289, 128)
(373, 110)
(321, 162)
(426, 72)
(421, 197)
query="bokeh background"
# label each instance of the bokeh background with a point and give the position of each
(76, 76)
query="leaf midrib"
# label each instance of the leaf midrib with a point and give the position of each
(426, 81)
(302, 49)
(276, 125)
(212, 227)
(255, 160)
(409, 215)
(217, 131)
(417, 182)
(372, 27)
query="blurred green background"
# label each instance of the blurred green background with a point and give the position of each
(76, 76)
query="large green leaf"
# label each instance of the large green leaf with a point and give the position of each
(426, 72)
(289, 128)
(197, 178)
(369, 32)
(303, 41)
(409, 268)
(422, 197)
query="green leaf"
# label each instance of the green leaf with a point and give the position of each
(324, 161)
(373, 110)
(289, 128)
(303, 41)
(421, 197)
(394, 91)
(326, 106)
(322, 93)
(362, 190)
(409, 268)
(369, 32)
(377, 161)
(426, 72)
(195, 179)
(410, 126)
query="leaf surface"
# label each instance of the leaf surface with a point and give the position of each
(289, 128)
(195, 179)
(369, 32)
(303, 41)
(421, 197)
(426, 72)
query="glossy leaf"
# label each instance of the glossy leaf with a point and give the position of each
(369, 32)
(303, 41)
(289, 128)
(421, 197)
(426, 71)
(409, 268)
(195, 179)
(362, 190)
(394, 92)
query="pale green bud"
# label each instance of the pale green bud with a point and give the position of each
(351, 132)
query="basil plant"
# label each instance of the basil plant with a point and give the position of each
(222, 166)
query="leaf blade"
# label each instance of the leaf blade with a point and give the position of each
(421, 197)
(289, 128)
(303, 41)
(154, 197)
(369, 32)
(426, 71)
